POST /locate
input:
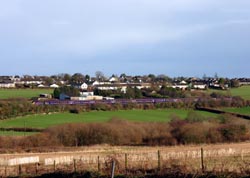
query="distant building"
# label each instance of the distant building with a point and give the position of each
(180, 85)
(7, 84)
(54, 86)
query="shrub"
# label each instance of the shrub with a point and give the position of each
(232, 132)
(74, 111)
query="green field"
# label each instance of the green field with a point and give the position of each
(47, 120)
(244, 110)
(23, 93)
(243, 91)
(13, 133)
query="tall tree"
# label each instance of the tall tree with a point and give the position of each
(67, 77)
(87, 78)
(77, 78)
(234, 83)
(70, 91)
(99, 76)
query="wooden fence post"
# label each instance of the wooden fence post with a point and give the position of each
(98, 164)
(113, 169)
(202, 160)
(74, 162)
(19, 169)
(54, 165)
(5, 171)
(126, 162)
(37, 164)
(159, 160)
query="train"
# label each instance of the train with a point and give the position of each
(114, 101)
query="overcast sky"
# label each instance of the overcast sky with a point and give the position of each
(171, 37)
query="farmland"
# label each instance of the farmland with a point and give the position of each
(243, 110)
(47, 120)
(13, 133)
(243, 91)
(22, 93)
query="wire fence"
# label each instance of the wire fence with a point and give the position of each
(229, 159)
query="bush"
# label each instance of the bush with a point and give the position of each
(74, 111)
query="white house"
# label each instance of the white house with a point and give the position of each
(85, 94)
(96, 83)
(182, 85)
(200, 86)
(113, 79)
(84, 86)
(41, 86)
(54, 86)
(6, 84)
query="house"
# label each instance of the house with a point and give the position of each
(41, 86)
(85, 94)
(180, 85)
(30, 81)
(113, 79)
(84, 86)
(199, 85)
(244, 81)
(54, 86)
(7, 84)
(95, 83)
(122, 86)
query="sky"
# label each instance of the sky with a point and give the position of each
(135, 37)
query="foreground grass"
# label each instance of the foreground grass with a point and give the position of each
(22, 93)
(47, 120)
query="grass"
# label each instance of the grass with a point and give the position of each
(243, 110)
(14, 133)
(47, 120)
(243, 91)
(22, 93)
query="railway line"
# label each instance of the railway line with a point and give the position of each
(116, 101)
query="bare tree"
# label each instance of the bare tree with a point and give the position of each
(100, 76)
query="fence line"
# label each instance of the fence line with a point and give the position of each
(203, 159)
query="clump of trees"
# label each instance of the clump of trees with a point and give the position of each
(67, 90)
(134, 92)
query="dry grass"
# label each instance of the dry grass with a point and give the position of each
(217, 158)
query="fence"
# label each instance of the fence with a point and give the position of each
(126, 161)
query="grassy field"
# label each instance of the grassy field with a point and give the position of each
(243, 92)
(22, 93)
(47, 120)
(244, 110)
(13, 133)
